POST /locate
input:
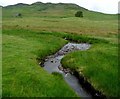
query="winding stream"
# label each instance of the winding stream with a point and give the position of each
(52, 64)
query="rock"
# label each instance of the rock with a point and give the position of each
(56, 55)
(72, 46)
(66, 47)
(66, 74)
(52, 61)
(46, 59)
(61, 53)
(60, 68)
(66, 71)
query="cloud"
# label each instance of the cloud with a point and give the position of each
(105, 6)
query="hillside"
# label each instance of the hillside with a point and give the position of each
(63, 10)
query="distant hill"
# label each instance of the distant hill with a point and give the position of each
(62, 10)
(48, 5)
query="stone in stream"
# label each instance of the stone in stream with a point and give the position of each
(46, 59)
(52, 56)
(60, 68)
(66, 47)
(66, 74)
(52, 61)
(66, 71)
(66, 51)
(72, 47)
(61, 53)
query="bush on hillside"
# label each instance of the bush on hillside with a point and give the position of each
(79, 14)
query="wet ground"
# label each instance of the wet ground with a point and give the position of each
(52, 64)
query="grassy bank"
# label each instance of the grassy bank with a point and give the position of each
(22, 76)
(99, 65)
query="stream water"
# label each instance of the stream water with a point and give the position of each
(53, 64)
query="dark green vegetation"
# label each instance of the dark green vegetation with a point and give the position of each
(41, 32)
(79, 14)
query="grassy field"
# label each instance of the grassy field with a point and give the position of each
(60, 17)
(22, 76)
(41, 32)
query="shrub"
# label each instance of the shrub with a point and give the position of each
(79, 14)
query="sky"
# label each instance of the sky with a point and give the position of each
(104, 6)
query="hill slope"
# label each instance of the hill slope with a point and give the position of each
(40, 9)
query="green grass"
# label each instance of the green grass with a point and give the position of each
(60, 18)
(99, 65)
(22, 76)
(54, 10)
(41, 32)
(107, 28)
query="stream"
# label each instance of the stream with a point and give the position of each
(53, 64)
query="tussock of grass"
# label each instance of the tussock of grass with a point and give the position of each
(58, 75)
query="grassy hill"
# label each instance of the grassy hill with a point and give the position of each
(51, 17)
(39, 9)
(40, 32)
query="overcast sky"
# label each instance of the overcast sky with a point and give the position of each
(105, 6)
